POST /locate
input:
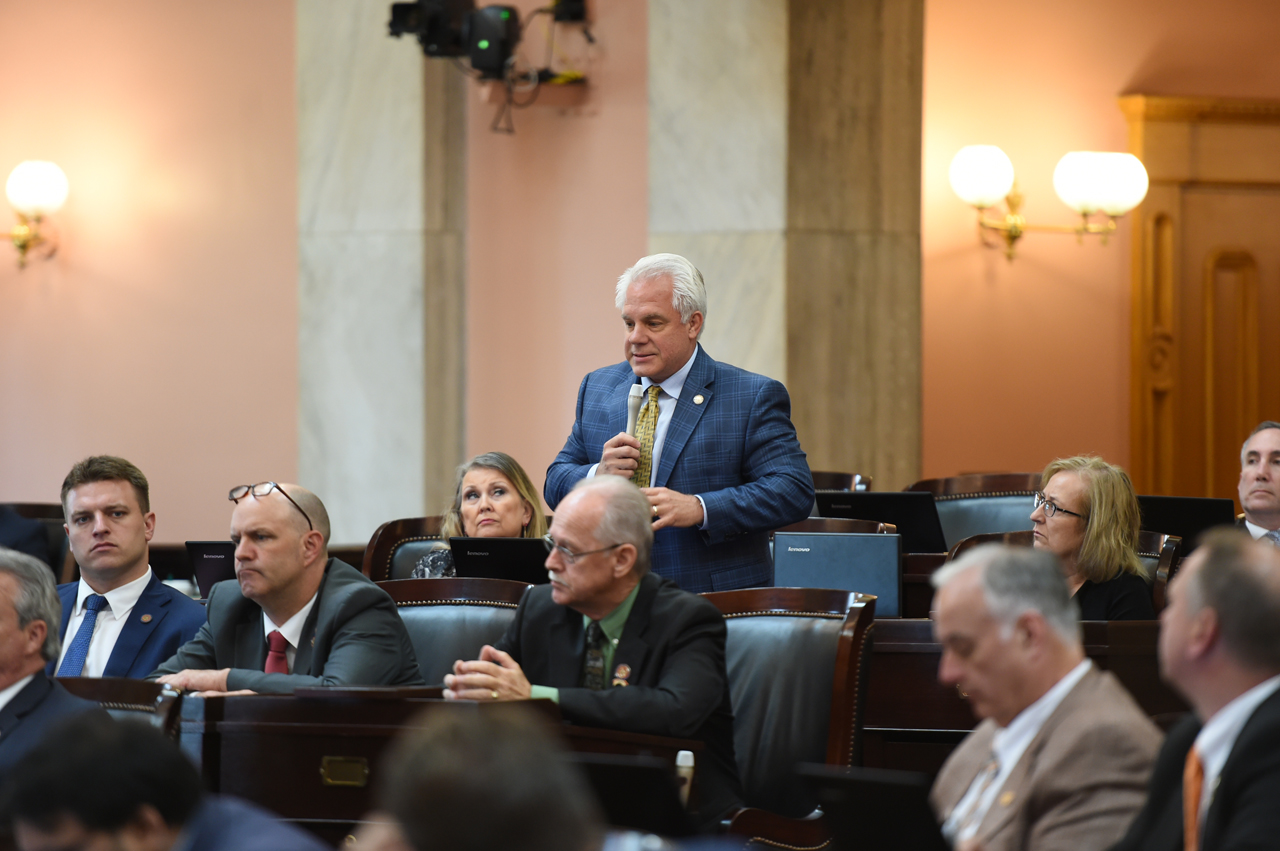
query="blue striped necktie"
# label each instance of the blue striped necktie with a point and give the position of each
(73, 662)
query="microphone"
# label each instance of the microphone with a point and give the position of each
(633, 407)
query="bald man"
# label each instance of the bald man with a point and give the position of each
(294, 617)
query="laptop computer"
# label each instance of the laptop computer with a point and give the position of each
(849, 562)
(876, 809)
(518, 559)
(913, 512)
(211, 563)
(1185, 516)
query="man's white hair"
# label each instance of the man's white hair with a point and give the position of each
(688, 292)
(1017, 580)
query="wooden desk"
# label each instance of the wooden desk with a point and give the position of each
(913, 722)
(314, 757)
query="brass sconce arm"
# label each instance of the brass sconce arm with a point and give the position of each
(1013, 225)
(27, 237)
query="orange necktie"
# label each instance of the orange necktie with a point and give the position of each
(1192, 785)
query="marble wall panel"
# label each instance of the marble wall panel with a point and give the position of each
(381, 218)
(746, 298)
(717, 115)
(361, 412)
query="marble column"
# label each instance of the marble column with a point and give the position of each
(853, 234)
(717, 165)
(380, 267)
(784, 159)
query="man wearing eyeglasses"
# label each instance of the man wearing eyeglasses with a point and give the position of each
(294, 617)
(614, 644)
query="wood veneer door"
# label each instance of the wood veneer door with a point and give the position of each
(1229, 314)
(1206, 289)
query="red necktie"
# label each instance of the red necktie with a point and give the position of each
(277, 662)
(1192, 785)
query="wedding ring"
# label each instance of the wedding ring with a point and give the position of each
(493, 695)
(655, 510)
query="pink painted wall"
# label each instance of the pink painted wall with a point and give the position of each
(165, 330)
(1029, 360)
(554, 214)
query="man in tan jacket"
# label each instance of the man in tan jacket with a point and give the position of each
(1062, 757)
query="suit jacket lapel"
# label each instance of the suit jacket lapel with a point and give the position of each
(685, 418)
(565, 647)
(633, 649)
(68, 596)
(1003, 807)
(23, 702)
(153, 605)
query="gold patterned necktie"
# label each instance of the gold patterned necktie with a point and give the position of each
(593, 659)
(646, 425)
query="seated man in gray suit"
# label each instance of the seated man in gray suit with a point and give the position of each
(1062, 756)
(294, 617)
(1260, 482)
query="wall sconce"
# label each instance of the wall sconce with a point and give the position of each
(1089, 182)
(35, 189)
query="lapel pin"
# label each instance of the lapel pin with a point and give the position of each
(697, 400)
(621, 674)
(1006, 799)
(145, 618)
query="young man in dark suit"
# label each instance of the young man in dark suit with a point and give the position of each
(1217, 778)
(119, 620)
(613, 644)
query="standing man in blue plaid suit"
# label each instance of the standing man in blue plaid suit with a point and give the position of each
(714, 448)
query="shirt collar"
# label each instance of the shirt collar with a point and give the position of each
(119, 600)
(675, 382)
(1023, 728)
(1255, 530)
(611, 624)
(292, 628)
(1218, 735)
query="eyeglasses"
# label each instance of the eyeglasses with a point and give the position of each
(1050, 509)
(262, 489)
(569, 555)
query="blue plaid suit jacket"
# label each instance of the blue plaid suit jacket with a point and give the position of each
(737, 450)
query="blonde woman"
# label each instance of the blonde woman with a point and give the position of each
(1087, 515)
(493, 498)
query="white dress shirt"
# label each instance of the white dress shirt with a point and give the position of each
(11, 692)
(668, 396)
(290, 629)
(1218, 736)
(1007, 747)
(1256, 531)
(108, 626)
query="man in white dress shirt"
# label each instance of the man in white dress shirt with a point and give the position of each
(119, 619)
(1062, 756)
(1217, 779)
(1260, 482)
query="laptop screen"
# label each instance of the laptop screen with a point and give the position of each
(211, 562)
(864, 563)
(519, 559)
(913, 512)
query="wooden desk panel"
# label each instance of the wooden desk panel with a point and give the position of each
(913, 722)
(314, 758)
